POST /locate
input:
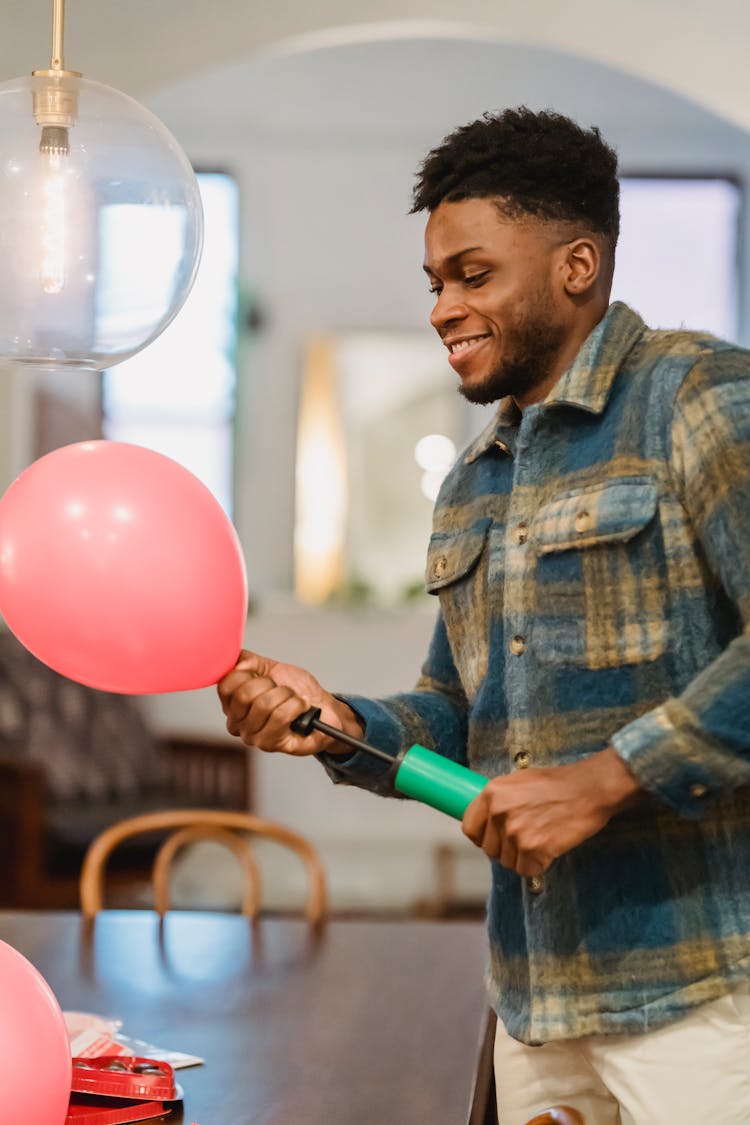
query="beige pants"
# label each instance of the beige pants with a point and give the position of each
(695, 1072)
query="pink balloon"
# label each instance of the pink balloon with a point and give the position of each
(35, 1065)
(120, 570)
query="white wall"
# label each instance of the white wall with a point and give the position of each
(699, 49)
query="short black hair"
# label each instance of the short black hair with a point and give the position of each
(542, 164)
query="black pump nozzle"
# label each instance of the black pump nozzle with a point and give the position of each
(309, 721)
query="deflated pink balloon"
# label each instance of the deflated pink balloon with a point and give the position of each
(35, 1065)
(119, 569)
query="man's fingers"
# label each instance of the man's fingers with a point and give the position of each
(495, 844)
(507, 854)
(475, 819)
(252, 705)
(228, 685)
(254, 663)
(501, 837)
(487, 831)
(271, 717)
(242, 697)
(248, 664)
(532, 864)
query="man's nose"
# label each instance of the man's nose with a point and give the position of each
(447, 308)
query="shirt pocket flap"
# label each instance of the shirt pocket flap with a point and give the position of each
(453, 554)
(605, 514)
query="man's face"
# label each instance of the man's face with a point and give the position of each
(496, 308)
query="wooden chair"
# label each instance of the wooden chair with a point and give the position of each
(73, 761)
(232, 829)
(483, 1101)
(558, 1115)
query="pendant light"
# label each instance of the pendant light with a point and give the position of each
(101, 222)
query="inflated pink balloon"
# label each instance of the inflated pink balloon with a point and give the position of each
(119, 569)
(35, 1065)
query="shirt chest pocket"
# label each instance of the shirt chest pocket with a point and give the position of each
(601, 598)
(457, 568)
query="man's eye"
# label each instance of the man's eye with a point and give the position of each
(436, 289)
(476, 279)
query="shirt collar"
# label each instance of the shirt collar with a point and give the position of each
(586, 384)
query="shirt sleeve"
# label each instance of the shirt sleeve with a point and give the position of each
(434, 715)
(697, 745)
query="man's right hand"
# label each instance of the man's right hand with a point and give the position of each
(261, 697)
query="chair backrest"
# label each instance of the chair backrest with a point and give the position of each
(558, 1115)
(187, 825)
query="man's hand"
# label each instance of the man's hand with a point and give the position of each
(528, 819)
(261, 697)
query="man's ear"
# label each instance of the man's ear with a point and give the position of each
(582, 266)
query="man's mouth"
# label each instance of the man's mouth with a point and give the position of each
(461, 345)
(461, 350)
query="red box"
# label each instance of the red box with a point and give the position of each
(115, 1089)
(122, 1076)
(87, 1110)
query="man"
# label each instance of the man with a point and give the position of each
(591, 554)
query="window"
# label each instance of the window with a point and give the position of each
(677, 258)
(177, 395)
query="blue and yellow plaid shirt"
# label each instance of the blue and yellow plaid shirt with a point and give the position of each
(592, 561)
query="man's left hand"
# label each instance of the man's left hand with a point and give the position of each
(529, 818)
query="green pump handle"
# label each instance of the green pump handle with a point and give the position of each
(421, 773)
(436, 781)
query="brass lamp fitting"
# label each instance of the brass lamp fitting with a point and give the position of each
(56, 100)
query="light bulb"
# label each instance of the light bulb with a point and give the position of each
(435, 453)
(52, 268)
(101, 223)
(55, 106)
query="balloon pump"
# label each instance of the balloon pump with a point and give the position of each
(421, 773)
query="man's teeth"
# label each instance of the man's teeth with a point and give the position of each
(459, 347)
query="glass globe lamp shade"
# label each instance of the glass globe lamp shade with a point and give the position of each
(101, 224)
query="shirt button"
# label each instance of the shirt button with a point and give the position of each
(522, 759)
(698, 789)
(518, 645)
(535, 884)
(522, 534)
(583, 522)
(439, 567)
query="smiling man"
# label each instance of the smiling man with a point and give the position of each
(591, 655)
(498, 309)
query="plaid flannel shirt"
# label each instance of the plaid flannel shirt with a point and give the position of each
(592, 561)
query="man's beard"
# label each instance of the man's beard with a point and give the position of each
(533, 347)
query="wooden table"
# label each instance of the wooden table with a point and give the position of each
(371, 1023)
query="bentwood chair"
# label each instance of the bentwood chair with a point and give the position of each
(234, 830)
(558, 1115)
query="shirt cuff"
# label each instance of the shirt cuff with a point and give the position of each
(360, 768)
(670, 758)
